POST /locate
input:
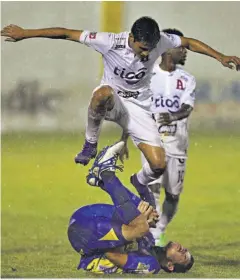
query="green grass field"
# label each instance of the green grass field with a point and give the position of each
(42, 186)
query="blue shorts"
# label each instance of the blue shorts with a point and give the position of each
(94, 229)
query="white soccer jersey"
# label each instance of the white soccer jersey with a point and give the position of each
(129, 76)
(170, 91)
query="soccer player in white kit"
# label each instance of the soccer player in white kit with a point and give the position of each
(124, 94)
(172, 102)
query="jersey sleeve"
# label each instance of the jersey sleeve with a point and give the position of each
(168, 41)
(100, 41)
(188, 97)
(141, 264)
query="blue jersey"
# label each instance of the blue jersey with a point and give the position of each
(94, 229)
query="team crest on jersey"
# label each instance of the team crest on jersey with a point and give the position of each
(92, 35)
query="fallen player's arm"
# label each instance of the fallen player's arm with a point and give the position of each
(15, 33)
(134, 263)
(202, 48)
(139, 226)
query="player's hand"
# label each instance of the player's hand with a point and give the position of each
(145, 208)
(13, 33)
(164, 118)
(228, 61)
(124, 154)
(153, 219)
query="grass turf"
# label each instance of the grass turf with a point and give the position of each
(42, 186)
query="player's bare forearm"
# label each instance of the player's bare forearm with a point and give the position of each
(202, 48)
(124, 152)
(182, 113)
(15, 33)
(124, 136)
(52, 33)
(167, 118)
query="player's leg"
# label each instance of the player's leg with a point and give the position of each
(101, 102)
(155, 187)
(173, 183)
(126, 203)
(143, 131)
(102, 174)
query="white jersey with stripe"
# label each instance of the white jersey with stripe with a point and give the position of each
(170, 91)
(126, 73)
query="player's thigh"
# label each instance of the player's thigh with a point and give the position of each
(173, 177)
(141, 126)
(92, 234)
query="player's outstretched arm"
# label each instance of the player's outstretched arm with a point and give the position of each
(16, 33)
(202, 48)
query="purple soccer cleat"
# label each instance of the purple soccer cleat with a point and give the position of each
(88, 152)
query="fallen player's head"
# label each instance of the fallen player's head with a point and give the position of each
(174, 258)
(178, 55)
(145, 35)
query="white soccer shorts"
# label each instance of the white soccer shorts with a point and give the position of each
(173, 177)
(137, 121)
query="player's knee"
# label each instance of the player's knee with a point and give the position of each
(157, 161)
(172, 197)
(103, 95)
(158, 165)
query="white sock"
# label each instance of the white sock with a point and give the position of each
(169, 209)
(146, 175)
(94, 125)
(156, 192)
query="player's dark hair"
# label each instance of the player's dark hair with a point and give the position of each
(160, 254)
(173, 31)
(181, 268)
(146, 30)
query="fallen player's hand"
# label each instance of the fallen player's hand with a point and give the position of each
(13, 33)
(228, 61)
(145, 208)
(153, 219)
(124, 154)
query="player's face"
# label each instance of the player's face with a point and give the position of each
(141, 49)
(179, 55)
(178, 254)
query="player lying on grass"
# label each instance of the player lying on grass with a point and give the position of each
(116, 238)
